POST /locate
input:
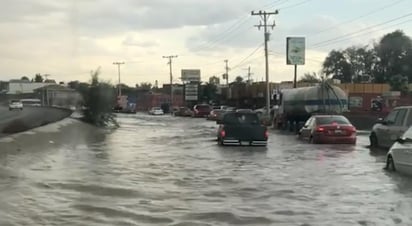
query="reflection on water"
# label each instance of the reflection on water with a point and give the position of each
(170, 171)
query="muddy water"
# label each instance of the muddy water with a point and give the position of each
(169, 171)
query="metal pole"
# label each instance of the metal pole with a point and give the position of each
(266, 66)
(171, 81)
(295, 77)
(118, 71)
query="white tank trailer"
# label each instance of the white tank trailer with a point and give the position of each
(298, 104)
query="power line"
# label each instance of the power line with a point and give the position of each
(359, 17)
(247, 57)
(295, 5)
(362, 34)
(361, 30)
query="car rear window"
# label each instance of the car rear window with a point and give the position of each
(15, 101)
(239, 118)
(332, 119)
(202, 107)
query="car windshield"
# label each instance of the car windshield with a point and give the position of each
(326, 120)
(239, 118)
(15, 101)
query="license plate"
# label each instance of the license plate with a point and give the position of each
(244, 143)
(338, 131)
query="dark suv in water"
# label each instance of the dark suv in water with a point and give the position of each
(201, 110)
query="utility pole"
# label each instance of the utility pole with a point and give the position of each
(227, 72)
(118, 72)
(249, 74)
(171, 80)
(265, 16)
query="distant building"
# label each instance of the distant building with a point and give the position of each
(15, 86)
(57, 95)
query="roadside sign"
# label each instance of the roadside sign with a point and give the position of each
(191, 92)
(295, 50)
(190, 75)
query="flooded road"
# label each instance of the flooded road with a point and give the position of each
(169, 171)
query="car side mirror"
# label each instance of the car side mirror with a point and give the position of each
(305, 126)
(400, 140)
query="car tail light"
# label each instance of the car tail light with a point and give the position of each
(266, 134)
(222, 133)
(320, 129)
(352, 129)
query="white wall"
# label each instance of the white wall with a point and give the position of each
(20, 88)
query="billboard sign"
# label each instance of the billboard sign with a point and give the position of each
(191, 92)
(295, 50)
(190, 75)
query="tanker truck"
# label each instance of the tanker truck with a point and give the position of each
(297, 105)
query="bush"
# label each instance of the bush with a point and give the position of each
(99, 99)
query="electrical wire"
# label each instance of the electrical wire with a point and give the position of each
(361, 30)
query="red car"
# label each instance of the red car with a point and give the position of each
(201, 110)
(332, 129)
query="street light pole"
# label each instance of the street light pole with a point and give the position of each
(118, 71)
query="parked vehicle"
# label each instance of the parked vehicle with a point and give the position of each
(385, 132)
(333, 129)
(216, 114)
(297, 105)
(201, 110)
(244, 110)
(31, 102)
(156, 111)
(241, 128)
(15, 105)
(183, 111)
(399, 157)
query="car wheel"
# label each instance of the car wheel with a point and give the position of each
(312, 140)
(390, 165)
(373, 140)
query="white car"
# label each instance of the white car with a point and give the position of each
(399, 157)
(156, 111)
(15, 105)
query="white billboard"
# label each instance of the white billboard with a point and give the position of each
(190, 75)
(295, 50)
(191, 91)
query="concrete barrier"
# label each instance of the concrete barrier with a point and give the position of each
(33, 117)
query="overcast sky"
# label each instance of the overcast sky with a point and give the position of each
(68, 39)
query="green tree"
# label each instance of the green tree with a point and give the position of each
(361, 61)
(38, 78)
(99, 101)
(310, 78)
(144, 86)
(208, 92)
(394, 55)
(25, 78)
(336, 66)
(239, 79)
(214, 80)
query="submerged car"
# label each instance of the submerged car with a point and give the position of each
(241, 128)
(156, 111)
(399, 157)
(332, 129)
(15, 105)
(183, 112)
(385, 132)
(201, 110)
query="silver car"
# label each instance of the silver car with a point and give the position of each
(385, 132)
(399, 157)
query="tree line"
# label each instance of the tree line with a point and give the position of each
(387, 61)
